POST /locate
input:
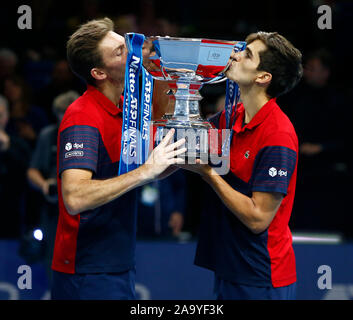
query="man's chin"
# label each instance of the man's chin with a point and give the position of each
(229, 76)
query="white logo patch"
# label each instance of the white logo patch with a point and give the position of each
(74, 154)
(272, 172)
(282, 173)
(68, 146)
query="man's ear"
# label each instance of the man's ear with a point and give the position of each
(98, 74)
(264, 79)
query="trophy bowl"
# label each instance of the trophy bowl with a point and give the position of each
(186, 64)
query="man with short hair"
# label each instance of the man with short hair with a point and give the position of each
(95, 240)
(244, 235)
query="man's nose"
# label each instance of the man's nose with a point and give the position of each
(235, 56)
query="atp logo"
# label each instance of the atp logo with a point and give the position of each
(272, 172)
(213, 55)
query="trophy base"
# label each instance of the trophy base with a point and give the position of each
(195, 131)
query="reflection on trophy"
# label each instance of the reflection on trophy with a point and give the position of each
(184, 65)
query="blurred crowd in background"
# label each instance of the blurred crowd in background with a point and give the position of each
(37, 85)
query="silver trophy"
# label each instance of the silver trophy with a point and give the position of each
(185, 65)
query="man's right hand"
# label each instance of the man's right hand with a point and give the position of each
(164, 155)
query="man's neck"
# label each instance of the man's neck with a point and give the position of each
(112, 91)
(253, 100)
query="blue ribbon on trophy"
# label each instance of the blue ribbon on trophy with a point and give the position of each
(145, 120)
(136, 118)
(232, 99)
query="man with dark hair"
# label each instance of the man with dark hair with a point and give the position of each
(244, 235)
(95, 239)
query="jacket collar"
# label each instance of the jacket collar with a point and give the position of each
(259, 117)
(104, 102)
